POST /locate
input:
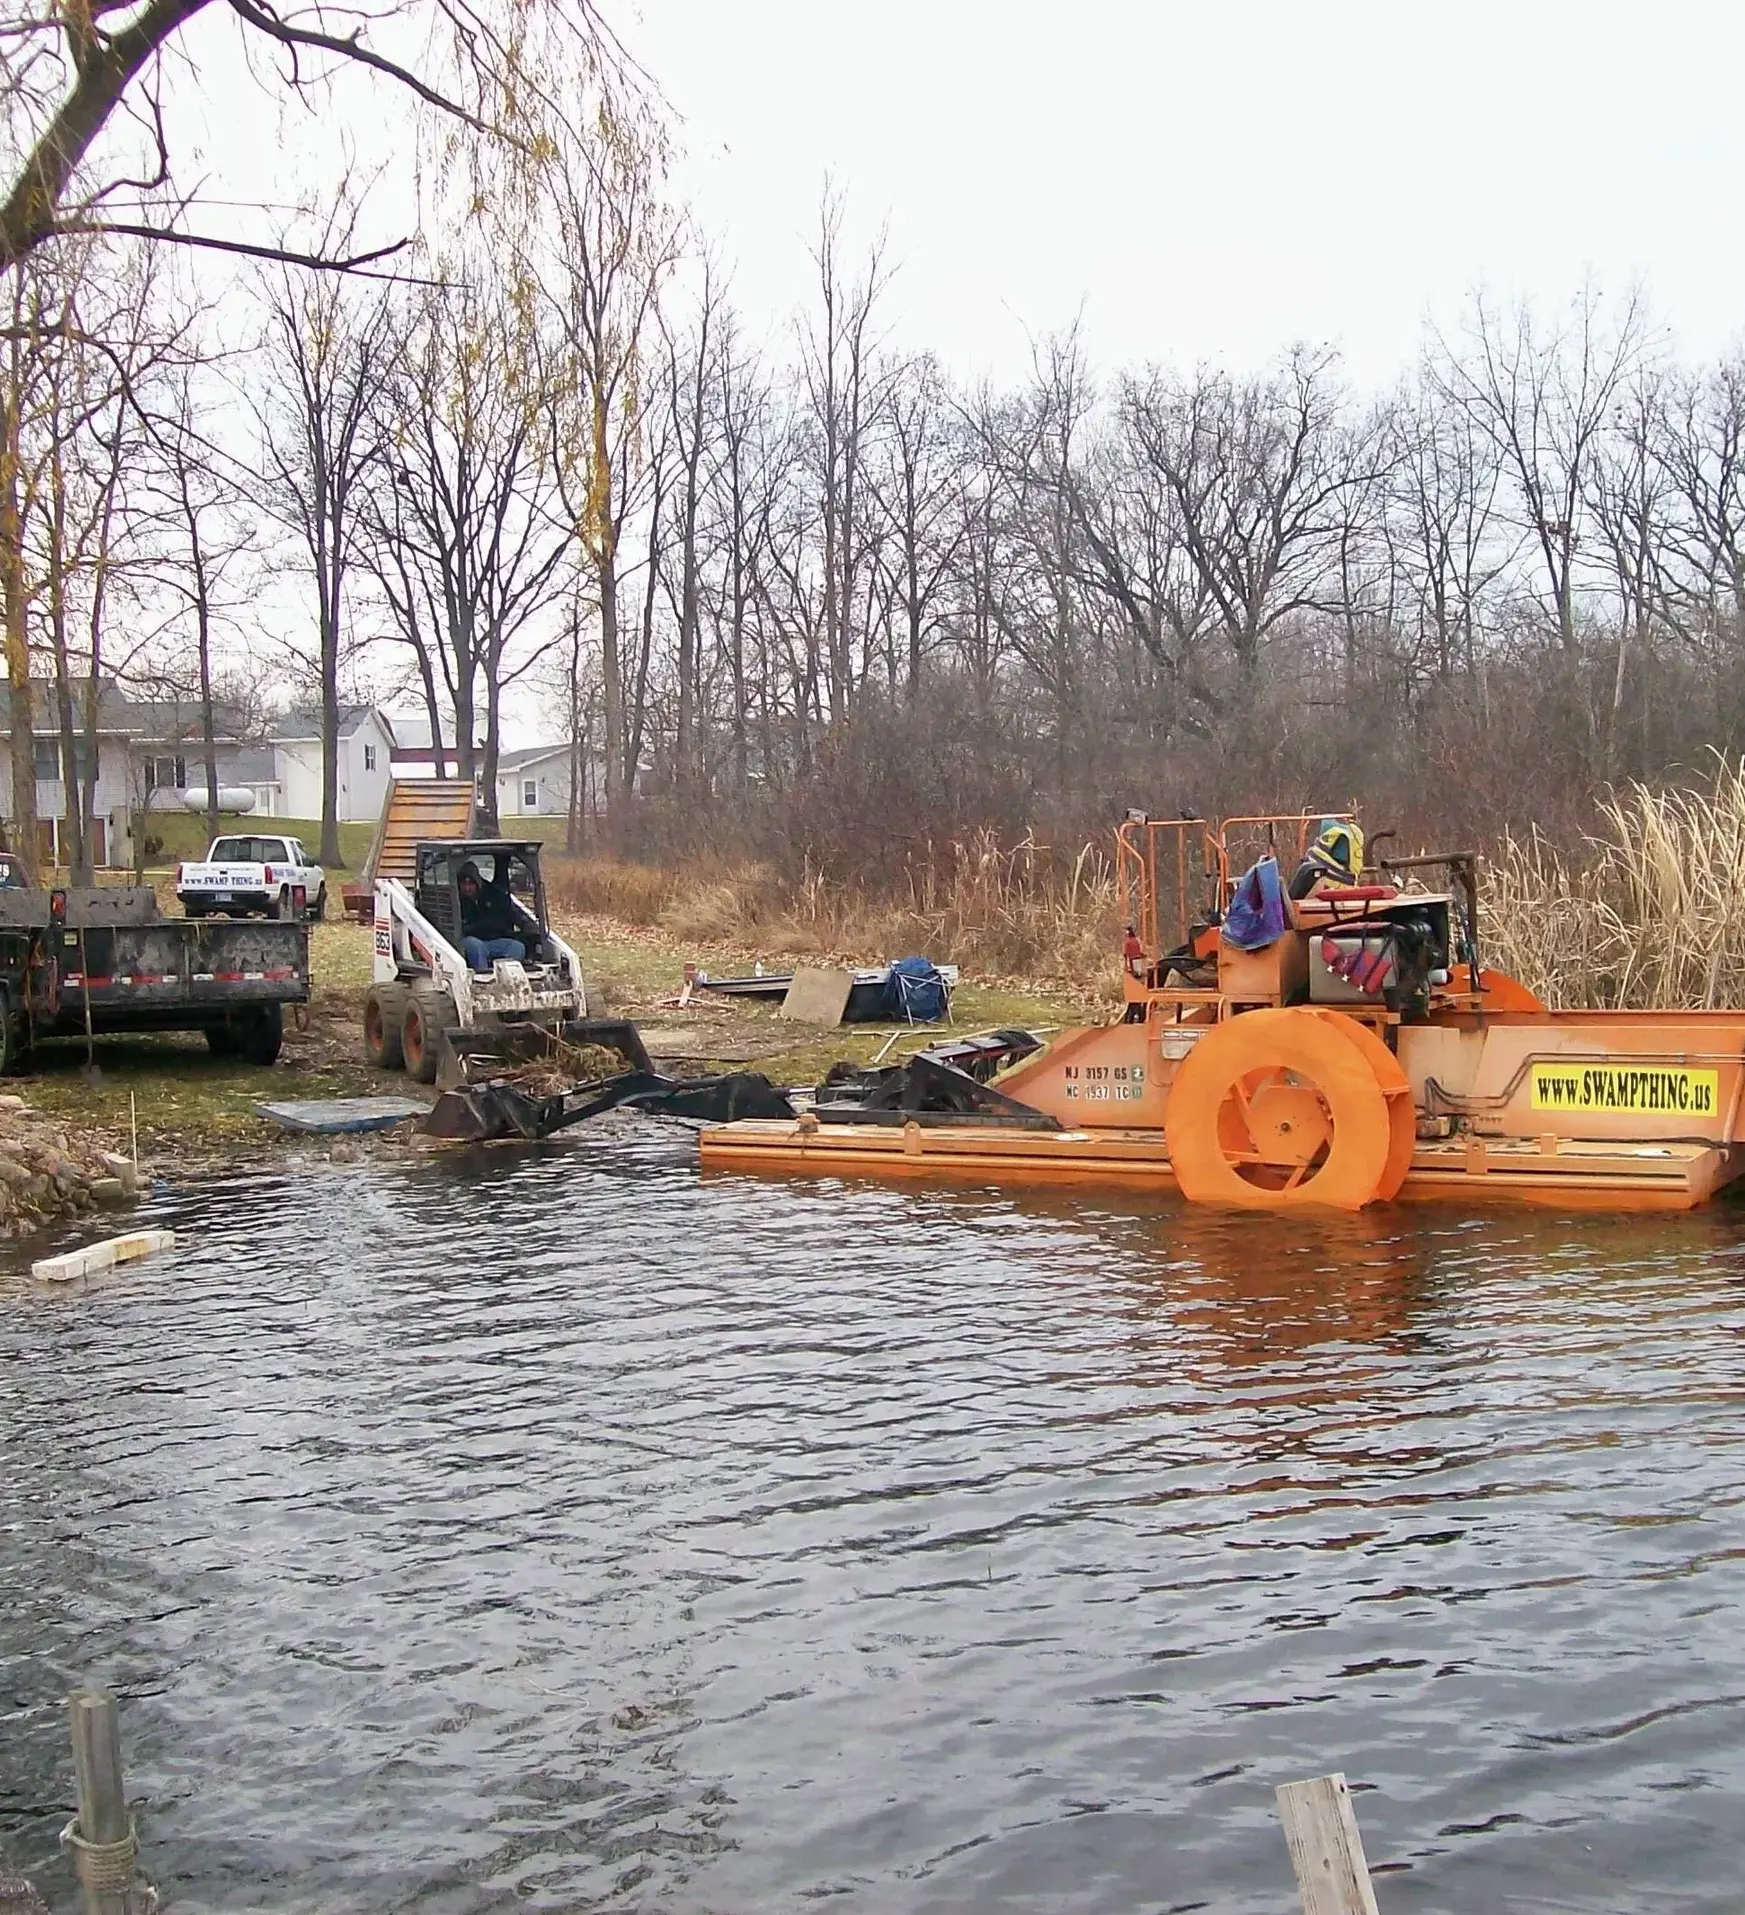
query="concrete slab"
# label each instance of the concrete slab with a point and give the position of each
(817, 996)
(334, 1116)
(73, 1264)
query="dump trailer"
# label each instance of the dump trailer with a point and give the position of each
(100, 959)
(426, 1001)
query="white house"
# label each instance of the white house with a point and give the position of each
(534, 782)
(366, 744)
(114, 733)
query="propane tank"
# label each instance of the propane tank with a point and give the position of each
(230, 798)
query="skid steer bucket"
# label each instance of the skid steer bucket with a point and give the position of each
(471, 1054)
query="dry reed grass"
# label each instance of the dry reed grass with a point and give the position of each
(1004, 912)
(1651, 916)
(1648, 913)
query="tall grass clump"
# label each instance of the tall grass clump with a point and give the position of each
(1650, 915)
(1004, 911)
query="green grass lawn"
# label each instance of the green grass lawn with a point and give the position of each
(185, 839)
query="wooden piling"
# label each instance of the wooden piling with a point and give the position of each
(1326, 1849)
(102, 1840)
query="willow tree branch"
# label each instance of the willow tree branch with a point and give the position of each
(27, 216)
(350, 46)
(284, 255)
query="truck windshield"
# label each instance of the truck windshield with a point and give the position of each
(247, 851)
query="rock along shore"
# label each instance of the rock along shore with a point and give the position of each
(51, 1171)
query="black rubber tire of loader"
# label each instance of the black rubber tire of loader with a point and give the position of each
(384, 1013)
(429, 1012)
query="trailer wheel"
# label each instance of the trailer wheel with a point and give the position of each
(12, 1036)
(428, 1014)
(260, 1031)
(220, 1040)
(384, 1013)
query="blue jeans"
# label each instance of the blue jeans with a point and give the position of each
(479, 952)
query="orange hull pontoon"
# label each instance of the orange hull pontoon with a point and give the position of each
(1579, 1176)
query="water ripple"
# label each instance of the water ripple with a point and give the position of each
(566, 1530)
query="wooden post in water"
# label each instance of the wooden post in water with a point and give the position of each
(1326, 1849)
(102, 1842)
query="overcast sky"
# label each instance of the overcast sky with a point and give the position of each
(1216, 180)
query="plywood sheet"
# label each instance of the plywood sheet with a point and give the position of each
(817, 996)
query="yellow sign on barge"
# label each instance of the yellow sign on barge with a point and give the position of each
(1341, 1049)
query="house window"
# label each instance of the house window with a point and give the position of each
(166, 774)
(48, 758)
(369, 757)
(529, 794)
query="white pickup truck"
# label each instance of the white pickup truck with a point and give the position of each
(242, 876)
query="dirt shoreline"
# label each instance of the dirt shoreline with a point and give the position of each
(195, 1115)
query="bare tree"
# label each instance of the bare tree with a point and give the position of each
(327, 352)
(201, 491)
(915, 487)
(1545, 398)
(615, 241)
(692, 383)
(844, 388)
(1259, 483)
(464, 540)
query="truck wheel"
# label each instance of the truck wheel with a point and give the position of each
(280, 908)
(428, 1014)
(318, 910)
(384, 1013)
(193, 910)
(258, 1033)
(12, 1044)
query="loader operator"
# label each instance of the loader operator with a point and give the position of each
(1335, 858)
(489, 927)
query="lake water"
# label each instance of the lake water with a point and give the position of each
(564, 1530)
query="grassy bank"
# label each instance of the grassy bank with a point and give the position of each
(194, 1110)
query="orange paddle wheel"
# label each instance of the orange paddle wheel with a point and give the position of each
(1285, 1107)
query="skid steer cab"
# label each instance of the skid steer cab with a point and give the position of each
(427, 1002)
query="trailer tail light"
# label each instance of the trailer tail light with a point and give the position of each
(299, 898)
(57, 906)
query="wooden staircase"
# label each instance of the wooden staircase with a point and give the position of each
(415, 809)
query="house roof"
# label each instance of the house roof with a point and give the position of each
(177, 721)
(292, 727)
(529, 755)
(114, 709)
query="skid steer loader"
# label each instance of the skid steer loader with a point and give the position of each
(428, 1011)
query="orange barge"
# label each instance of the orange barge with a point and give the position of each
(1265, 1077)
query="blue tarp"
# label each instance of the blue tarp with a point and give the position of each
(916, 991)
(1257, 914)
